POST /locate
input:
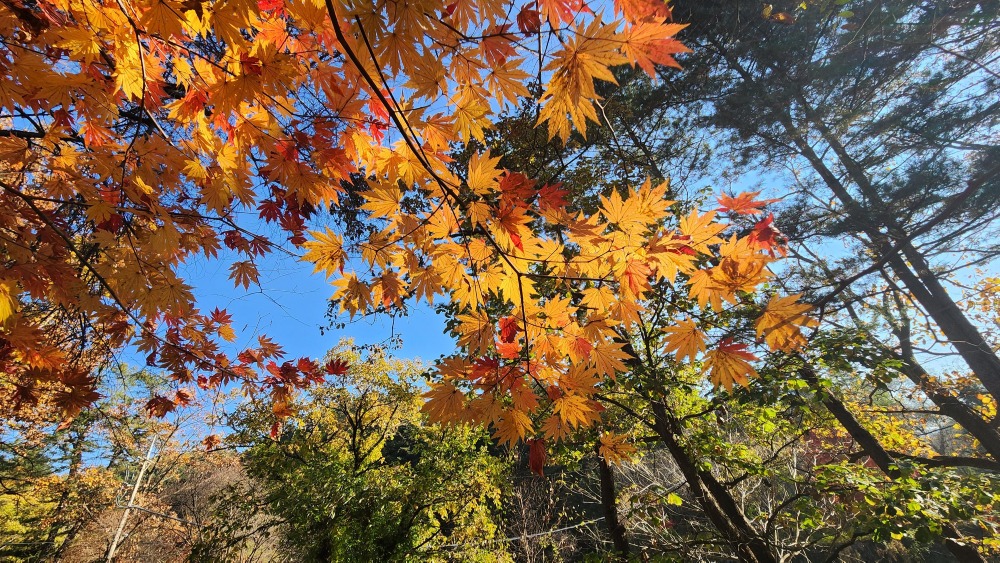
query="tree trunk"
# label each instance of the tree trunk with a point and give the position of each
(718, 504)
(609, 503)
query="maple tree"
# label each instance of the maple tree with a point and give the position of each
(139, 131)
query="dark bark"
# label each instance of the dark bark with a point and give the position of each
(714, 498)
(962, 550)
(922, 283)
(609, 504)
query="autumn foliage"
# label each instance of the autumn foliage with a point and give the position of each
(139, 134)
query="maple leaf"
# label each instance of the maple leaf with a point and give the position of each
(615, 448)
(354, 294)
(8, 302)
(79, 396)
(561, 11)
(522, 396)
(728, 363)
(496, 45)
(336, 366)
(701, 231)
(652, 43)
(444, 403)
(227, 333)
(743, 204)
(572, 410)
(529, 19)
(482, 177)
(509, 350)
(508, 329)
(780, 322)
(640, 10)
(579, 380)
(552, 196)
(536, 456)
(183, 397)
(475, 332)
(383, 200)
(587, 56)
(626, 213)
(767, 237)
(684, 339)
(211, 442)
(244, 273)
(159, 406)
(635, 278)
(607, 358)
(512, 427)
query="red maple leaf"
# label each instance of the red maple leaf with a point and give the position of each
(159, 406)
(552, 196)
(483, 368)
(336, 367)
(211, 442)
(767, 237)
(509, 350)
(183, 397)
(536, 456)
(496, 45)
(270, 5)
(733, 348)
(508, 329)
(529, 19)
(220, 316)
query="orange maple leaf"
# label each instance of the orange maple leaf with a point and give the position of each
(728, 363)
(743, 204)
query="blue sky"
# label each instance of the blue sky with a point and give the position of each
(290, 307)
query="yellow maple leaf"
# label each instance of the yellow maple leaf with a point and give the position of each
(573, 410)
(607, 358)
(8, 302)
(652, 43)
(476, 332)
(444, 403)
(587, 55)
(780, 322)
(684, 339)
(354, 295)
(616, 449)
(483, 173)
(383, 200)
(471, 115)
(326, 252)
(626, 213)
(702, 230)
(512, 426)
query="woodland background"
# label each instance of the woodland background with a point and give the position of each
(807, 374)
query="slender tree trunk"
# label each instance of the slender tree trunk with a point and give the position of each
(921, 281)
(715, 499)
(923, 285)
(948, 404)
(609, 502)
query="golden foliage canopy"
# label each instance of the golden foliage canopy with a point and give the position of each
(138, 134)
